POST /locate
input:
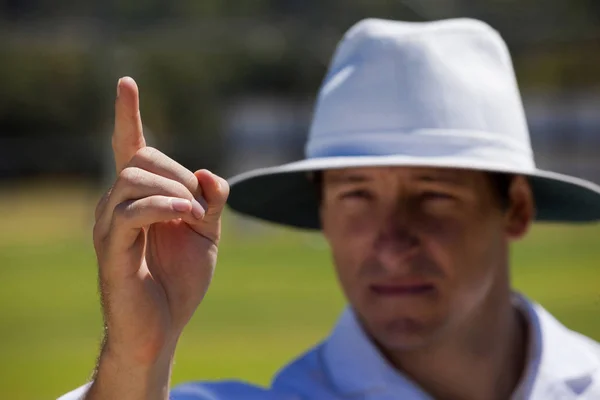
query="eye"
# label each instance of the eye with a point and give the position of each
(360, 194)
(426, 196)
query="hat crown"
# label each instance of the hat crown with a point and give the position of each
(421, 89)
(437, 94)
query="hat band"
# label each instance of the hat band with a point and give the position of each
(470, 145)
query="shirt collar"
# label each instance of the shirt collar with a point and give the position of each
(561, 361)
(556, 360)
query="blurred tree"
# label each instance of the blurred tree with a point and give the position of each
(61, 58)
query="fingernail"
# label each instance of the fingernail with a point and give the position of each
(181, 205)
(197, 209)
(118, 87)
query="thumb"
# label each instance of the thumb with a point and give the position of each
(128, 135)
(215, 191)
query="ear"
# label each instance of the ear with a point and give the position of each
(521, 209)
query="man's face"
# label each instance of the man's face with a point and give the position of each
(418, 249)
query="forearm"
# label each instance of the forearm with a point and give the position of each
(120, 378)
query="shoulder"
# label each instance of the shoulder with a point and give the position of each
(587, 345)
(565, 342)
(585, 359)
(584, 354)
(218, 390)
(223, 390)
(306, 376)
(569, 360)
(303, 378)
(297, 380)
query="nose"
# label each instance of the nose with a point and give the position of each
(395, 243)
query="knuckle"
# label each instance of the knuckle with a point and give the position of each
(98, 236)
(130, 176)
(97, 231)
(102, 204)
(178, 189)
(143, 157)
(190, 181)
(147, 153)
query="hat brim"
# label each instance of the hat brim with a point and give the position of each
(285, 195)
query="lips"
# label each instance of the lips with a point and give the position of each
(402, 289)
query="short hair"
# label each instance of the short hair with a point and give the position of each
(500, 182)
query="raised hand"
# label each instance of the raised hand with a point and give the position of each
(156, 238)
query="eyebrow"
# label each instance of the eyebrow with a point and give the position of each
(445, 178)
(348, 178)
(429, 177)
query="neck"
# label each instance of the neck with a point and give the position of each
(483, 359)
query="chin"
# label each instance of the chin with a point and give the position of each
(405, 333)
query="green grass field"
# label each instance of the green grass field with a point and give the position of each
(273, 296)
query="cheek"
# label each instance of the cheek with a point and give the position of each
(444, 239)
(348, 251)
(460, 245)
(347, 265)
(447, 232)
(465, 249)
(350, 241)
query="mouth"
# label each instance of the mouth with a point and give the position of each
(403, 289)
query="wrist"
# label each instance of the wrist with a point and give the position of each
(138, 355)
(119, 375)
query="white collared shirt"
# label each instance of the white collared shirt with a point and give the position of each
(561, 365)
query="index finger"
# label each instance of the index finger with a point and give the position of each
(128, 135)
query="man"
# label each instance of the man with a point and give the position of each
(419, 173)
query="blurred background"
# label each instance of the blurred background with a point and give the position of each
(229, 85)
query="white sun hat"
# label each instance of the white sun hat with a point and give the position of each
(436, 94)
